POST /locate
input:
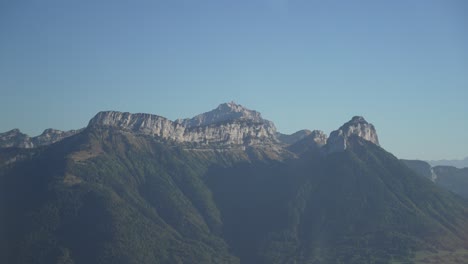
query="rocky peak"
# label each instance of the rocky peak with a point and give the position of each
(357, 126)
(51, 135)
(14, 138)
(224, 112)
(357, 119)
(233, 107)
(12, 133)
(319, 137)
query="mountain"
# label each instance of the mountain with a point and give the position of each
(224, 112)
(455, 163)
(422, 168)
(293, 138)
(361, 205)
(108, 196)
(447, 177)
(139, 188)
(453, 179)
(312, 142)
(14, 138)
(229, 124)
(223, 128)
(357, 126)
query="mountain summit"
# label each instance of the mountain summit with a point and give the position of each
(224, 112)
(356, 127)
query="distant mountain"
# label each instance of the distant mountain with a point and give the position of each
(448, 177)
(224, 112)
(293, 138)
(139, 188)
(453, 179)
(455, 163)
(312, 142)
(14, 138)
(422, 168)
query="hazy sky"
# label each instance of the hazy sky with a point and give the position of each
(402, 64)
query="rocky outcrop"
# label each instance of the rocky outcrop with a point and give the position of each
(50, 136)
(141, 123)
(356, 127)
(319, 137)
(224, 112)
(14, 138)
(229, 124)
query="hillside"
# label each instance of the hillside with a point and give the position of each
(119, 194)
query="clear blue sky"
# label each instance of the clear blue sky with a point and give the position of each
(303, 64)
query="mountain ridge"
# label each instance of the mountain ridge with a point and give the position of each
(356, 127)
(226, 132)
(227, 125)
(15, 138)
(448, 177)
(460, 163)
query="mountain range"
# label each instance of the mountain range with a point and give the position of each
(449, 177)
(221, 187)
(14, 138)
(463, 163)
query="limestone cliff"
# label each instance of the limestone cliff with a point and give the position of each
(357, 126)
(229, 124)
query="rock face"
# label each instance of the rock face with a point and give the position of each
(229, 124)
(14, 138)
(142, 123)
(319, 137)
(224, 112)
(357, 126)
